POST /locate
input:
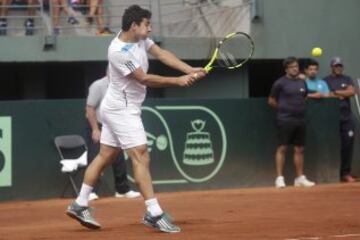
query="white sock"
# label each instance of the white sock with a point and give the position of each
(83, 198)
(153, 207)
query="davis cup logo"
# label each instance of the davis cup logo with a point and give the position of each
(186, 143)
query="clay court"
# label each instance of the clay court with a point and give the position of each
(323, 212)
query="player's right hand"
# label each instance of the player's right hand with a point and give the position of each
(190, 79)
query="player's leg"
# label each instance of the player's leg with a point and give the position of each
(79, 209)
(154, 217)
(105, 157)
(141, 166)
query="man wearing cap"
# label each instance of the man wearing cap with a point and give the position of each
(342, 87)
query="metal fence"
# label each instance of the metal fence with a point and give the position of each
(171, 18)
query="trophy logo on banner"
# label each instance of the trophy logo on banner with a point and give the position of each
(198, 147)
(186, 143)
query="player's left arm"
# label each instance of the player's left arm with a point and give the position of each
(169, 59)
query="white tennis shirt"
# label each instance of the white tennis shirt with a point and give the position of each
(124, 58)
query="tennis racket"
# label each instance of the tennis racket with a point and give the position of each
(232, 52)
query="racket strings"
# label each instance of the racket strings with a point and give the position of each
(227, 59)
(235, 51)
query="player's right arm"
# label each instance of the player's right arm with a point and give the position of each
(128, 66)
(153, 80)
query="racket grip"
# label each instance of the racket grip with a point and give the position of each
(208, 69)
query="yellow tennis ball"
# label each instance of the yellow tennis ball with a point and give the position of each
(316, 52)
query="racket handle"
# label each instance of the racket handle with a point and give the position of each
(208, 68)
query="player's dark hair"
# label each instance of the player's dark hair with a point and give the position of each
(134, 14)
(288, 61)
(311, 62)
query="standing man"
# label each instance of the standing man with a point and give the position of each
(288, 97)
(342, 87)
(317, 88)
(97, 92)
(4, 9)
(121, 114)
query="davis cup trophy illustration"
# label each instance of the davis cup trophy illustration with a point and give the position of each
(198, 146)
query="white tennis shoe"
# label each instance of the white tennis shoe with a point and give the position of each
(129, 194)
(280, 182)
(302, 181)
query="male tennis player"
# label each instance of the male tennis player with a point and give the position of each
(121, 110)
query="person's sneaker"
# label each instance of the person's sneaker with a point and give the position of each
(73, 20)
(90, 20)
(302, 181)
(104, 32)
(93, 196)
(129, 194)
(280, 182)
(348, 179)
(29, 27)
(162, 223)
(82, 215)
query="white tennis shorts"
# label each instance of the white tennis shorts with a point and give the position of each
(122, 127)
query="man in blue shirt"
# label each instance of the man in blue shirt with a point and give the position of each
(288, 96)
(342, 87)
(317, 88)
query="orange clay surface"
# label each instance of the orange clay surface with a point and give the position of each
(322, 212)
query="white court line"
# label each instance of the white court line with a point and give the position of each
(332, 236)
(305, 238)
(346, 235)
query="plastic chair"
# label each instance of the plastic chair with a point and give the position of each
(72, 150)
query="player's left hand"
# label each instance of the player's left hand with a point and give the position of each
(198, 70)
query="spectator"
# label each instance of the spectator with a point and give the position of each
(288, 97)
(342, 87)
(97, 91)
(97, 11)
(57, 5)
(317, 88)
(3, 14)
(29, 22)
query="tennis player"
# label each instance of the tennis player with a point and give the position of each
(121, 110)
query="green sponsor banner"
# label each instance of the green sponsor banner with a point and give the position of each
(193, 144)
(5, 152)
